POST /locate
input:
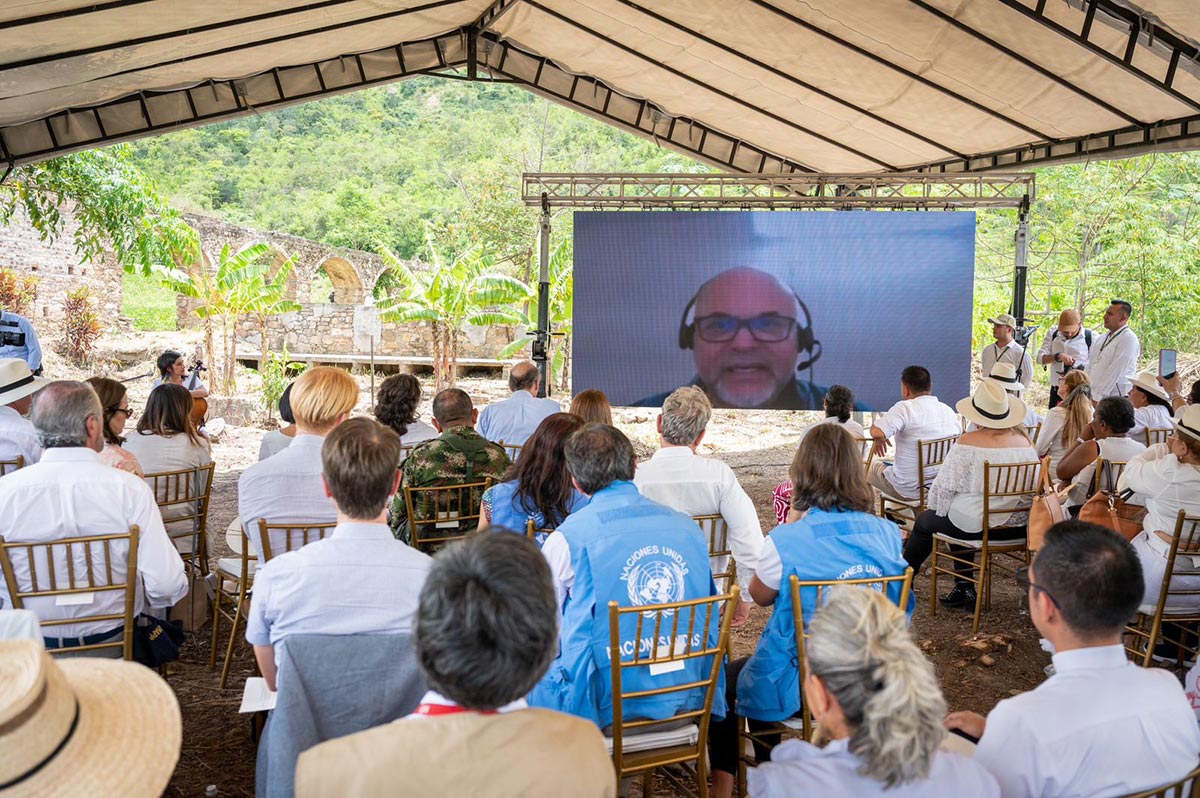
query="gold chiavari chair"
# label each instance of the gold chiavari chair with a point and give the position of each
(87, 565)
(292, 536)
(1004, 487)
(9, 466)
(1157, 435)
(1158, 622)
(532, 531)
(867, 447)
(640, 746)
(1187, 787)
(513, 450)
(1033, 431)
(1115, 469)
(720, 555)
(183, 497)
(235, 577)
(930, 455)
(443, 513)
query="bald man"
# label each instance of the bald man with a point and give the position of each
(1066, 347)
(750, 338)
(514, 419)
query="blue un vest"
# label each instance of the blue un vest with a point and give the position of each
(820, 546)
(629, 549)
(507, 511)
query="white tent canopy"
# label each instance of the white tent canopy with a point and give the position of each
(748, 85)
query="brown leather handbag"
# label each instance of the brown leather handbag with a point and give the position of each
(1108, 508)
(1046, 510)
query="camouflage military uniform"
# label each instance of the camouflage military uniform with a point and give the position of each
(459, 455)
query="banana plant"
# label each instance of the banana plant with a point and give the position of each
(562, 299)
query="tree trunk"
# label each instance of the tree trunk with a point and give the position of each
(436, 352)
(262, 329)
(566, 363)
(209, 345)
(452, 366)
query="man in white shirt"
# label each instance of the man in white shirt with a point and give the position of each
(69, 494)
(18, 438)
(1007, 350)
(287, 488)
(683, 480)
(1100, 726)
(1114, 356)
(360, 579)
(514, 419)
(918, 416)
(1067, 347)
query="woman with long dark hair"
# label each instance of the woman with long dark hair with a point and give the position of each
(538, 486)
(115, 401)
(166, 439)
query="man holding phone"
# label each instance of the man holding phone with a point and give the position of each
(1066, 348)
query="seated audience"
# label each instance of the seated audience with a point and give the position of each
(865, 673)
(360, 565)
(592, 406)
(918, 416)
(682, 479)
(839, 404)
(514, 419)
(115, 401)
(69, 493)
(956, 496)
(396, 407)
(166, 439)
(1167, 478)
(17, 387)
(487, 599)
(277, 440)
(90, 727)
(287, 487)
(1108, 437)
(626, 548)
(1151, 406)
(833, 537)
(173, 371)
(1066, 421)
(459, 455)
(538, 486)
(1100, 726)
(1005, 375)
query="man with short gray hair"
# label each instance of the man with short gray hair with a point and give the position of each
(69, 493)
(682, 479)
(514, 419)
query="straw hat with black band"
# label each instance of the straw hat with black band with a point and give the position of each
(83, 727)
(1148, 383)
(1188, 422)
(992, 407)
(17, 381)
(1006, 375)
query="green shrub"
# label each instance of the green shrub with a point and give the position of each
(80, 327)
(17, 291)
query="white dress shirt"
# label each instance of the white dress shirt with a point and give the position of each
(850, 425)
(1049, 441)
(922, 418)
(1149, 417)
(359, 580)
(419, 432)
(1014, 353)
(273, 443)
(70, 493)
(285, 488)
(18, 437)
(514, 419)
(1113, 363)
(799, 768)
(684, 481)
(1058, 344)
(1099, 727)
(1166, 484)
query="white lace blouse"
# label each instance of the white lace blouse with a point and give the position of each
(957, 490)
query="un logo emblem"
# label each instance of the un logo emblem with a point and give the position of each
(655, 582)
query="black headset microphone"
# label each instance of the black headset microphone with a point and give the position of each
(805, 340)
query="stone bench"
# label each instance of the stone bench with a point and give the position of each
(402, 364)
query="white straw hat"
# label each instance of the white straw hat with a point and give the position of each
(84, 726)
(1006, 375)
(992, 407)
(17, 381)
(1188, 421)
(1148, 382)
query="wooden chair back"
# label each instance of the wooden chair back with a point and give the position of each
(1005, 485)
(720, 556)
(183, 497)
(532, 531)
(866, 447)
(9, 466)
(405, 451)
(1032, 432)
(76, 567)
(1187, 787)
(682, 623)
(930, 455)
(513, 450)
(1162, 623)
(443, 513)
(797, 586)
(293, 536)
(1157, 435)
(1115, 469)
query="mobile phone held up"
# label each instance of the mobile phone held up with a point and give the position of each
(1166, 363)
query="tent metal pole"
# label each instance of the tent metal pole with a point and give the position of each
(541, 341)
(1019, 278)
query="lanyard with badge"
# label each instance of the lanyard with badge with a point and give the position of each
(1108, 339)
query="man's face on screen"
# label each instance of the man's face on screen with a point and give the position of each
(745, 337)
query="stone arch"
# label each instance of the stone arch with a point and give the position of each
(347, 285)
(279, 256)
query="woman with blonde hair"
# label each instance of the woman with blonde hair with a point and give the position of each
(1066, 422)
(592, 406)
(876, 697)
(115, 401)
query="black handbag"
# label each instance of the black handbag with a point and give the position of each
(156, 642)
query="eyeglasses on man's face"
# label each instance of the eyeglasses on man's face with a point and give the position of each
(769, 328)
(1026, 583)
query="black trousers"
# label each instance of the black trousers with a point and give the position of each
(929, 523)
(723, 744)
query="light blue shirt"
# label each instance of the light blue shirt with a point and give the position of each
(285, 488)
(514, 419)
(31, 352)
(359, 580)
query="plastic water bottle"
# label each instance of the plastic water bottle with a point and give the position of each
(210, 791)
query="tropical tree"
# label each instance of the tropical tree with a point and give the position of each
(462, 289)
(562, 298)
(261, 294)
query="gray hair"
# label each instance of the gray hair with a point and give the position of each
(860, 647)
(685, 415)
(487, 622)
(60, 412)
(599, 455)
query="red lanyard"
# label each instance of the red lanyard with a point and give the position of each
(432, 710)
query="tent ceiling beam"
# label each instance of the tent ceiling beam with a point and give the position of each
(1137, 26)
(71, 12)
(492, 13)
(777, 192)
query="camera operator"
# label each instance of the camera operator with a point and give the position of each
(18, 339)
(1007, 350)
(1067, 346)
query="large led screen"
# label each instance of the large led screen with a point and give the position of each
(768, 309)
